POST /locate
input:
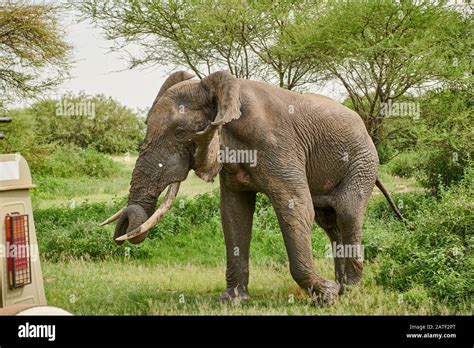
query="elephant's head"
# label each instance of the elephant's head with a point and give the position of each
(183, 128)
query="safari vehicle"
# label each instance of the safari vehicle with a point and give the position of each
(21, 281)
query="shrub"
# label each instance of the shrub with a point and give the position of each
(51, 159)
(404, 165)
(399, 135)
(187, 214)
(96, 122)
(72, 161)
(112, 128)
(435, 250)
(436, 148)
(447, 144)
(21, 137)
(442, 168)
(75, 233)
(65, 233)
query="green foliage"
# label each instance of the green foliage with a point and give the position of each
(88, 121)
(34, 54)
(69, 146)
(206, 35)
(381, 50)
(21, 137)
(73, 162)
(447, 144)
(47, 158)
(404, 165)
(435, 250)
(66, 233)
(437, 148)
(75, 233)
(93, 122)
(191, 222)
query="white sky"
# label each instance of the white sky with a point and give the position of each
(95, 70)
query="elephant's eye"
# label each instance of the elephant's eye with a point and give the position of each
(179, 133)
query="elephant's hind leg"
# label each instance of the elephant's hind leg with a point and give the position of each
(326, 219)
(295, 213)
(350, 211)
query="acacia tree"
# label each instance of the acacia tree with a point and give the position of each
(33, 54)
(268, 37)
(206, 35)
(380, 51)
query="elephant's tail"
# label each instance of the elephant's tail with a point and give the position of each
(389, 199)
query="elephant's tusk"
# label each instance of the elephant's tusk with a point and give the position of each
(112, 218)
(157, 215)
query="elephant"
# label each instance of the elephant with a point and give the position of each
(315, 162)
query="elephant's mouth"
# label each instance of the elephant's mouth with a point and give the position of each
(133, 222)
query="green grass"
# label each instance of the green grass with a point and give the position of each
(134, 288)
(66, 192)
(396, 183)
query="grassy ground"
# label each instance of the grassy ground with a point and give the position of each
(183, 273)
(397, 184)
(122, 288)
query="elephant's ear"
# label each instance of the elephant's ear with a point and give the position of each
(221, 89)
(172, 80)
(225, 90)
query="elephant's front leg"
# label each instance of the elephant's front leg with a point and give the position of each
(295, 214)
(237, 210)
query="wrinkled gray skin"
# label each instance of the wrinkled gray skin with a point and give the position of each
(315, 162)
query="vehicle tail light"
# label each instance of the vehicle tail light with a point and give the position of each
(18, 245)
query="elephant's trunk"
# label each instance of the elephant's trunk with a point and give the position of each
(135, 221)
(132, 217)
(139, 232)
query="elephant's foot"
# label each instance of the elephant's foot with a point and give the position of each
(236, 294)
(325, 295)
(353, 271)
